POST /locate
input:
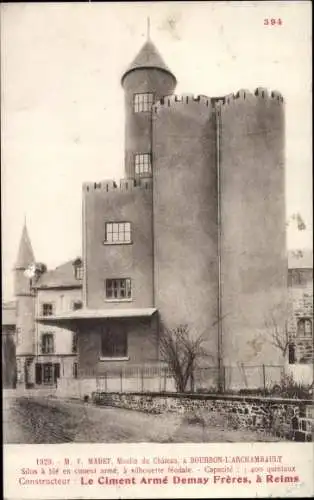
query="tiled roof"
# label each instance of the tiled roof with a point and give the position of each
(8, 313)
(62, 276)
(300, 259)
(148, 57)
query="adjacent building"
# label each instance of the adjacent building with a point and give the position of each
(300, 325)
(44, 353)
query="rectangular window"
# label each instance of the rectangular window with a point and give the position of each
(47, 309)
(74, 370)
(78, 271)
(74, 342)
(118, 232)
(118, 288)
(47, 343)
(143, 164)
(143, 102)
(48, 372)
(114, 344)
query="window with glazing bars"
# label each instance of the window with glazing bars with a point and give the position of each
(118, 288)
(143, 164)
(47, 309)
(78, 271)
(118, 232)
(143, 102)
(47, 343)
(304, 327)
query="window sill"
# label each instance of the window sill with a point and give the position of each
(118, 300)
(117, 242)
(126, 358)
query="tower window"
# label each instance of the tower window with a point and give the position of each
(143, 164)
(118, 288)
(118, 232)
(113, 344)
(304, 327)
(143, 102)
(47, 309)
(47, 343)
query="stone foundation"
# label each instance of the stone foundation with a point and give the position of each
(288, 418)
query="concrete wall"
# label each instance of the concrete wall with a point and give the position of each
(185, 215)
(253, 234)
(142, 345)
(138, 130)
(127, 203)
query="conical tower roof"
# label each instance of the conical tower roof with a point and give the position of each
(148, 57)
(25, 255)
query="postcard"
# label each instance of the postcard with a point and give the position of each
(157, 312)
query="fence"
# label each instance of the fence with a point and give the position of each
(159, 378)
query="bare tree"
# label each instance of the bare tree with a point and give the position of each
(181, 352)
(278, 334)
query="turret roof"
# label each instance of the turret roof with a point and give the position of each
(25, 255)
(148, 57)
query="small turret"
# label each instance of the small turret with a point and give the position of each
(145, 81)
(25, 301)
(25, 258)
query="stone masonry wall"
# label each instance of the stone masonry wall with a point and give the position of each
(292, 419)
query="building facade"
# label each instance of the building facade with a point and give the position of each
(45, 351)
(300, 325)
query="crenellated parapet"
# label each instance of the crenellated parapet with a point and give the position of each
(183, 99)
(124, 185)
(260, 93)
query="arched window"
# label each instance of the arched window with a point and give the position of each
(304, 327)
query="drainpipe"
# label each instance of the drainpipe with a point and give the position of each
(219, 332)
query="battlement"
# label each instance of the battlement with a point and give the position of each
(260, 92)
(240, 95)
(173, 99)
(125, 185)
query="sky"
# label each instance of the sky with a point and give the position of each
(62, 105)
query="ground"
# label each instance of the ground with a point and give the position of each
(41, 419)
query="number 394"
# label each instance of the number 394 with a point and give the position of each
(271, 21)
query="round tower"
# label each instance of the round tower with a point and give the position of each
(144, 82)
(25, 306)
(253, 231)
(185, 215)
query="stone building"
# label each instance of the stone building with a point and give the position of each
(44, 353)
(300, 326)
